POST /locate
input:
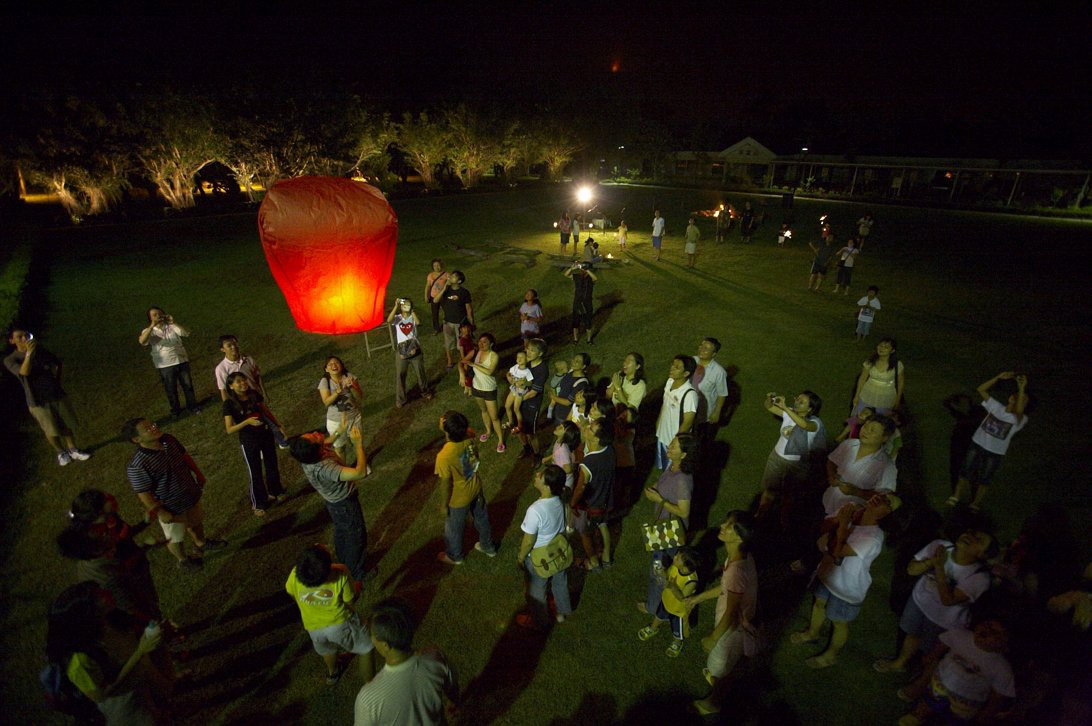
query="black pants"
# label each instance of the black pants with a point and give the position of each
(172, 377)
(435, 316)
(256, 450)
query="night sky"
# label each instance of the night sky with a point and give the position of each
(976, 84)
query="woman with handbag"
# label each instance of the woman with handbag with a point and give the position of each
(671, 495)
(407, 350)
(545, 551)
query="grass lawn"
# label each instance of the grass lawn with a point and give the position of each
(966, 294)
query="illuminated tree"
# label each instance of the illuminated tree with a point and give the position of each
(180, 141)
(558, 148)
(522, 147)
(425, 144)
(472, 147)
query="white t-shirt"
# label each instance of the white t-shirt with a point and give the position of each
(483, 381)
(972, 673)
(868, 308)
(166, 345)
(522, 377)
(874, 472)
(972, 580)
(535, 311)
(712, 381)
(667, 425)
(658, 227)
(787, 425)
(849, 254)
(851, 579)
(996, 430)
(410, 693)
(404, 327)
(545, 518)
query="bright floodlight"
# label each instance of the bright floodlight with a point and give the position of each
(584, 195)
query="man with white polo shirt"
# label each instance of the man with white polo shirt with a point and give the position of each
(235, 361)
(413, 687)
(712, 380)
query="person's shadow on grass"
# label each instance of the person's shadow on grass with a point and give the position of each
(511, 668)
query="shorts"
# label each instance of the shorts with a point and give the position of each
(451, 335)
(863, 326)
(56, 417)
(656, 241)
(980, 465)
(845, 274)
(348, 637)
(914, 622)
(781, 474)
(725, 654)
(175, 531)
(817, 269)
(690, 248)
(585, 519)
(838, 610)
(486, 395)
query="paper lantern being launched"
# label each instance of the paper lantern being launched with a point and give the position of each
(330, 246)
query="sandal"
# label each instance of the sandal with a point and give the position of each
(646, 632)
(259, 512)
(674, 649)
(952, 501)
(483, 438)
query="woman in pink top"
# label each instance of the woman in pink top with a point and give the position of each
(734, 634)
(434, 285)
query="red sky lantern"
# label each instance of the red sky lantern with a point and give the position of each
(330, 246)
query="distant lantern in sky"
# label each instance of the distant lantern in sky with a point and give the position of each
(615, 65)
(330, 245)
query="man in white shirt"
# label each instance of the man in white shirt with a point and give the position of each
(712, 380)
(236, 362)
(163, 336)
(413, 688)
(850, 542)
(991, 441)
(658, 225)
(680, 407)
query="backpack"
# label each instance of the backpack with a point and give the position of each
(64, 697)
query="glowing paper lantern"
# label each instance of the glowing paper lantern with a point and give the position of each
(330, 246)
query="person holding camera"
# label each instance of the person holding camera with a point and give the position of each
(407, 350)
(583, 283)
(164, 337)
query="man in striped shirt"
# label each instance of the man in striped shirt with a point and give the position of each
(169, 484)
(413, 688)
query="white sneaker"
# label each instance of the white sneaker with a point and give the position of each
(63, 458)
(78, 455)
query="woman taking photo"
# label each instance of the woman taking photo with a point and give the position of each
(341, 394)
(245, 414)
(407, 350)
(882, 380)
(164, 337)
(484, 388)
(626, 391)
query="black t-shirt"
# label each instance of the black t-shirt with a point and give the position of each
(539, 374)
(582, 291)
(567, 389)
(453, 303)
(242, 410)
(599, 490)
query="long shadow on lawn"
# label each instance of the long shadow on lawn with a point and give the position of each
(510, 670)
(408, 502)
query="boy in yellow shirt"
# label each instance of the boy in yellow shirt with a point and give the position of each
(681, 582)
(324, 593)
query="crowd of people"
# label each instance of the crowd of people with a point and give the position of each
(823, 511)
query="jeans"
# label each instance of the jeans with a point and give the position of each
(256, 451)
(417, 363)
(172, 377)
(350, 534)
(559, 585)
(456, 526)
